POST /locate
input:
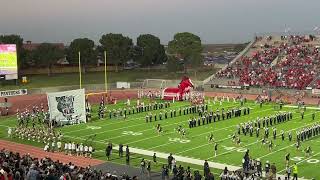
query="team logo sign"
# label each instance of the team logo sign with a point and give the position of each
(65, 105)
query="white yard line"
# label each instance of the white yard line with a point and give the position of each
(139, 124)
(260, 141)
(193, 136)
(178, 158)
(276, 151)
(316, 108)
(125, 121)
(148, 129)
(119, 121)
(302, 161)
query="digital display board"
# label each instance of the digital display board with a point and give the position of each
(8, 61)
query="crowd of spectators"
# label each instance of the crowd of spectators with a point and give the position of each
(292, 62)
(20, 167)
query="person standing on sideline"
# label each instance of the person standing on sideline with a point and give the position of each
(127, 155)
(215, 149)
(313, 116)
(295, 172)
(288, 170)
(149, 169)
(170, 158)
(206, 168)
(154, 157)
(120, 150)
(143, 167)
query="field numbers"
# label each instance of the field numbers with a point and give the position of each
(178, 140)
(297, 158)
(231, 148)
(93, 127)
(131, 133)
(311, 161)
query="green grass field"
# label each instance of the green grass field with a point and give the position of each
(135, 132)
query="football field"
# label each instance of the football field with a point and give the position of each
(144, 140)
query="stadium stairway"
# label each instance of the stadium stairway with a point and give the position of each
(243, 52)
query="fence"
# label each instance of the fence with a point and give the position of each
(66, 69)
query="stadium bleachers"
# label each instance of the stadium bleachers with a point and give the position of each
(285, 61)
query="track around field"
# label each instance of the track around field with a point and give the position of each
(28, 101)
(40, 153)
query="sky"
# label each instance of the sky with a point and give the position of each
(215, 21)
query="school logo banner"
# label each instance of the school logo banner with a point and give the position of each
(67, 107)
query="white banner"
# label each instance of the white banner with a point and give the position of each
(17, 92)
(121, 85)
(316, 91)
(67, 107)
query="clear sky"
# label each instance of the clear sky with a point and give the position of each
(215, 21)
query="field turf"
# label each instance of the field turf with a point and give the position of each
(135, 132)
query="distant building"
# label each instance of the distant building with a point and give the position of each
(29, 46)
(33, 46)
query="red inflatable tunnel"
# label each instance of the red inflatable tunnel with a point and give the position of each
(178, 92)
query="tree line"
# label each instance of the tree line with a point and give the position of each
(183, 51)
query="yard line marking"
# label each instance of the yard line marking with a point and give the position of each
(6, 126)
(200, 146)
(168, 125)
(286, 147)
(302, 161)
(289, 106)
(260, 141)
(123, 121)
(184, 159)
(276, 151)
(205, 133)
(139, 124)
(119, 120)
(192, 136)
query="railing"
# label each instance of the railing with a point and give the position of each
(243, 52)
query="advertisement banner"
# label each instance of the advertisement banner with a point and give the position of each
(17, 92)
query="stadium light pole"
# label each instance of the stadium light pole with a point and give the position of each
(105, 72)
(80, 69)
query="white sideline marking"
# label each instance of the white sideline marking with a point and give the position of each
(289, 106)
(215, 165)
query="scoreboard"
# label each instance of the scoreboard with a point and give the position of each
(8, 62)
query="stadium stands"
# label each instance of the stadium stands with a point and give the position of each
(284, 62)
(18, 166)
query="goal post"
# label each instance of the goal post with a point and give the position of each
(154, 83)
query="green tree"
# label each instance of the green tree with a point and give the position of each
(186, 46)
(152, 51)
(18, 40)
(118, 47)
(174, 64)
(87, 52)
(47, 55)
